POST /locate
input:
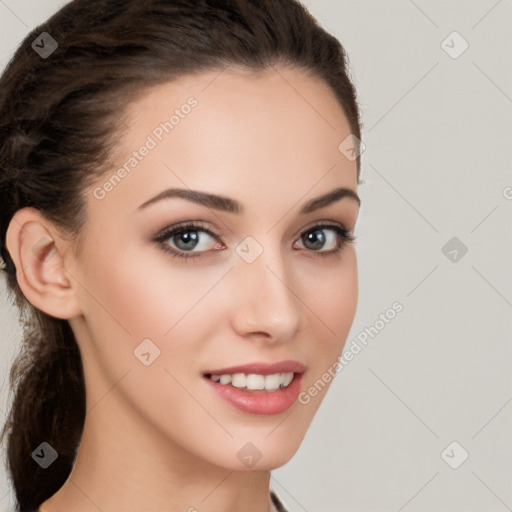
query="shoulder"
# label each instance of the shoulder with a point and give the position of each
(277, 506)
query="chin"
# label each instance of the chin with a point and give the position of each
(262, 449)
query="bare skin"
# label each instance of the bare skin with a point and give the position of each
(156, 438)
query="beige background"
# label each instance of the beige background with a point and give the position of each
(437, 165)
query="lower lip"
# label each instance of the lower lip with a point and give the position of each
(259, 401)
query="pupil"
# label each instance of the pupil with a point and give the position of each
(317, 238)
(187, 238)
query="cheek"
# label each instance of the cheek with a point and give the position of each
(332, 297)
(131, 310)
(331, 293)
(126, 304)
(144, 300)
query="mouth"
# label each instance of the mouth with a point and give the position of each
(258, 388)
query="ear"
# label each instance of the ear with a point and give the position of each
(37, 251)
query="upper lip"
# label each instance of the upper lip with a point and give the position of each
(261, 368)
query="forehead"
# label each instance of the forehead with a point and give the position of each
(237, 133)
(242, 105)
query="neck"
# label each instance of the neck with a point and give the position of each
(113, 473)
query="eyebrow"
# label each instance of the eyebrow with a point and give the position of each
(229, 205)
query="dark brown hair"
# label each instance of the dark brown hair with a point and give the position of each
(60, 121)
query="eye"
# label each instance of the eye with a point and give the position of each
(326, 238)
(186, 238)
(192, 240)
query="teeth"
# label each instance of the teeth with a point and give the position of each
(272, 381)
(287, 378)
(239, 380)
(255, 381)
(225, 379)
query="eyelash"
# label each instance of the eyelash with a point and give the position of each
(345, 235)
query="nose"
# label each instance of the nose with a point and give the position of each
(264, 303)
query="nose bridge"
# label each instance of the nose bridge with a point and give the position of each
(265, 301)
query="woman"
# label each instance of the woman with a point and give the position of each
(179, 182)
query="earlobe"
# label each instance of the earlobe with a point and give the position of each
(37, 252)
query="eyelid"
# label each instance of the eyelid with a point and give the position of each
(189, 224)
(161, 234)
(327, 223)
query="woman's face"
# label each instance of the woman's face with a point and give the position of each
(252, 282)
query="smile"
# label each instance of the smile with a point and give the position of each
(258, 388)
